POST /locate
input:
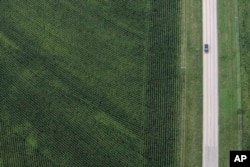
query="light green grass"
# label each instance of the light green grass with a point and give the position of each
(192, 52)
(228, 83)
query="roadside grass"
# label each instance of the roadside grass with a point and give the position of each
(191, 54)
(244, 27)
(228, 84)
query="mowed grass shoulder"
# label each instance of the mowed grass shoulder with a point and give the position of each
(191, 56)
(72, 83)
(228, 80)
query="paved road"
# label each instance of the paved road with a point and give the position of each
(210, 85)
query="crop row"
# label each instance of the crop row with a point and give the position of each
(244, 41)
(163, 84)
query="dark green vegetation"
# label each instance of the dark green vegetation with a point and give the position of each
(89, 83)
(244, 27)
(163, 84)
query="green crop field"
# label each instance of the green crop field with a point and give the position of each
(244, 28)
(163, 84)
(89, 83)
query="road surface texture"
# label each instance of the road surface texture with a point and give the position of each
(210, 85)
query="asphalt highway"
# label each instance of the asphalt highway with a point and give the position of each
(210, 85)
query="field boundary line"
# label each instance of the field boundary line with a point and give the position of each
(240, 114)
(145, 82)
(183, 78)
